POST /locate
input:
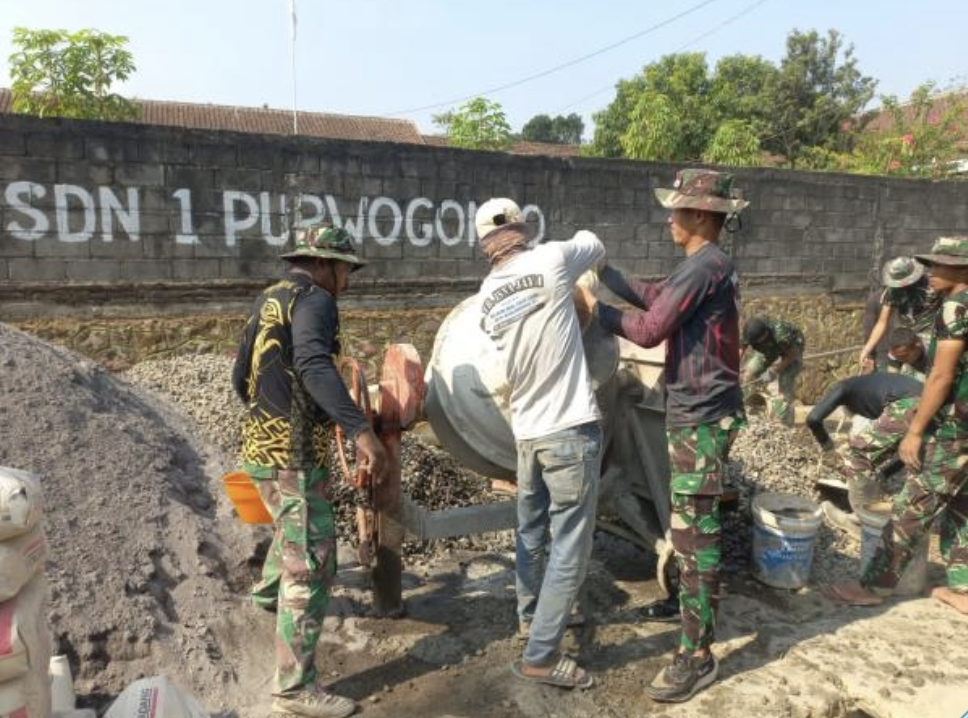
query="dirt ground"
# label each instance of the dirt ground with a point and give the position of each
(783, 653)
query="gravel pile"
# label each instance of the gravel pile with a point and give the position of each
(201, 387)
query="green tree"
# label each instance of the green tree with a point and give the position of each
(559, 130)
(737, 87)
(816, 93)
(70, 74)
(652, 133)
(922, 138)
(612, 122)
(477, 125)
(669, 118)
(673, 110)
(735, 143)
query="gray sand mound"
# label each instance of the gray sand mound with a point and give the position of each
(139, 560)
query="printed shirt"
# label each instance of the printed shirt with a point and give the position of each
(528, 311)
(696, 312)
(783, 337)
(951, 322)
(915, 305)
(286, 375)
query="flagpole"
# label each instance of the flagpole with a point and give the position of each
(292, 44)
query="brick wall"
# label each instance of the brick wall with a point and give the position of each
(132, 220)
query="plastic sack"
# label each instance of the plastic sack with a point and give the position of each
(20, 501)
(24, 636)
(20, 558)
(27, 696)
(155, 697)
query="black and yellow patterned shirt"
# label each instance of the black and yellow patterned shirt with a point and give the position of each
(286, 375)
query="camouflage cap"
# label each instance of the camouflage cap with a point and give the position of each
(324, 241)
(901, 272)
(701, 189)
(952, 251)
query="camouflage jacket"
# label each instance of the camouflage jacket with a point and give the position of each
(783, 336)
(914, 306)
(951, 322)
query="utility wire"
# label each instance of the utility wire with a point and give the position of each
(557, 68)
(728, 21)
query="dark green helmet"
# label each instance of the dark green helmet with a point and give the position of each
(324, 241)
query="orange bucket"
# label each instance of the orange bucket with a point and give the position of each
(246, 498)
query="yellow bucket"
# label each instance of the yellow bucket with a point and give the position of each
(246, 498)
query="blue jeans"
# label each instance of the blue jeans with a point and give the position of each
(557, 496)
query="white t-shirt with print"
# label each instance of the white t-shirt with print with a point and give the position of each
(527, 309)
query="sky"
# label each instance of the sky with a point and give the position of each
(416, 58)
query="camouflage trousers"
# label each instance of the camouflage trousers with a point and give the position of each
(873, 447)
(697, 458)
(299, 568)
(936, 494)
(779, 406)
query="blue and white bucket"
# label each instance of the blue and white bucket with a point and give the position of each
(784, 533)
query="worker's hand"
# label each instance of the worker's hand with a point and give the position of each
(866, 362)
(371, 457)
(910, 451)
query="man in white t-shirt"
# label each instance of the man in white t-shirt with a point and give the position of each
(528, 310)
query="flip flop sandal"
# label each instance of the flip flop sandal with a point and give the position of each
(662, 611)
(834, 593)
(562, 675)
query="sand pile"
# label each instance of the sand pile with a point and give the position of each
(143, 552)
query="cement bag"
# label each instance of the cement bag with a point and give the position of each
(20, 501)
(24, 636)
(20, 558)
(155, 697)
(27, 696)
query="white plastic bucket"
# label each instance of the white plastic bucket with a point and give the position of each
(873, 519)
(784, 533)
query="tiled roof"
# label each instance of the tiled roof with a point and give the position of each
(884, 121)
(263, 120)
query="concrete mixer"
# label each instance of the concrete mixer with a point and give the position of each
(466, 401)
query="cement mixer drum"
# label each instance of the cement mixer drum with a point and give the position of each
(468, 395)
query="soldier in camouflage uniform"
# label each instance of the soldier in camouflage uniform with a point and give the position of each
(773, 349)
(935, 449)
(906, 297)
(285, 373)
(695, 311)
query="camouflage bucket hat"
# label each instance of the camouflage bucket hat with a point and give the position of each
(901, 272)
(701, 189)
(952, 251)
(324, 241)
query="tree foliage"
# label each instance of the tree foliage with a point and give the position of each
(70, 74)
(922, 139)
(559, 130)
(817, 90)
(479, 124)
(677, 110)
(735, 144)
